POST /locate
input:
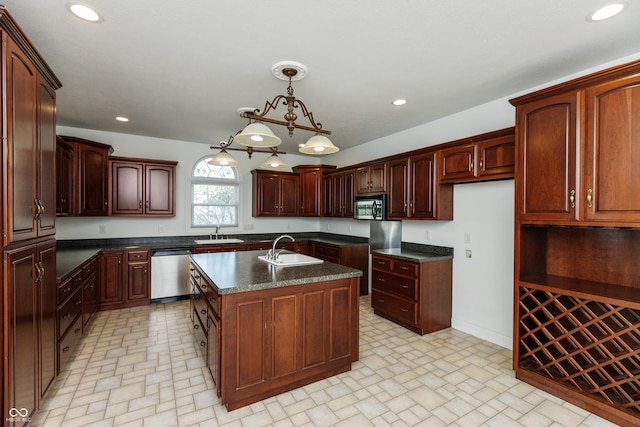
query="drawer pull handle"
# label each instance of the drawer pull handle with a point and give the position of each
(203, 286)
(203, 311)
(67, 289)
(66, 316)
(78, 301)
(381, 263)
(196, 327)
(202, 343)
(380, 279)
(404, 286)
(212, 299)
(77, 331)
(67, 348)
(380, 300)
(404, 310)
(402, 267)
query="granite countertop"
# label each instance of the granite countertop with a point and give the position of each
(417, 253)
(233, 272)
(69, 260)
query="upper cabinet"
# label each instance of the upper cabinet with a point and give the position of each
(579, 147)
(414, 192)
(479, 158)
(82, 177)
(142, 187)
(371, 179)
(338, 194)
(275, 193)
(28, 120)
(311, 197)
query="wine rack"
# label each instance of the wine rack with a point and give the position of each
(589, 346)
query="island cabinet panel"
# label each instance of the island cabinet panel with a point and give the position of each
(356, 256)
(577, 236)
(283, 338)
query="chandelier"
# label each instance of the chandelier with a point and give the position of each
(257, 134)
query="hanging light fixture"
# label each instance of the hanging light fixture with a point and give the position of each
(252, 134)
(276, 163)
(318, 144)
(223, 158)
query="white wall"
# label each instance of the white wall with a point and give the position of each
(482, 285)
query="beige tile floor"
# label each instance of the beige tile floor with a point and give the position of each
(142, 367)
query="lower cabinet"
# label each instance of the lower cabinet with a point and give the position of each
(350, 256)
(30, 331)
(411, 294)
(125, 279)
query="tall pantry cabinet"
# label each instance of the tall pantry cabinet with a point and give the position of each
(28, 310)
(577, 239)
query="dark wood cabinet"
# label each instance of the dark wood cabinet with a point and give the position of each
(483, 157)
(31, 324)
(93, 172)
(576, 293)
(371, 179)
(339, 191)
(311, 197)
(125, 279)
(142, 187)
(415, 295)
(354, 256)
(275, 193)
(414, 192)
(65, 178)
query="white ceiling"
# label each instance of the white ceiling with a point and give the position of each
(180, 70)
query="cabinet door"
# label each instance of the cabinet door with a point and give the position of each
(47, 158)
(21, 154)
(328, 193)
(265, 194)
(362, 180)
(126, 188)
(20, 380)
(288, 194)
(47, 292)
(343, 195)
(310, 192)
(457, 163)
(496, 157)
(137, 281)
(612, 152)
(423, 186)
(398, 200)
(111, 270)
(93, 171)
(546, 179)
(159, 190)
(378, 177)
(213, 348)
(65, 181)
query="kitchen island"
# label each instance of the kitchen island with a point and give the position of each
(269, 329)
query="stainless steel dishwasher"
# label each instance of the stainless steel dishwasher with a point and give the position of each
(169, 275)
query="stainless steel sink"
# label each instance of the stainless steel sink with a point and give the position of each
(291, 260)
(217, 241)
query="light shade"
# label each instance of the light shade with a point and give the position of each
(223, 159)
(257, 135)
(319, 144)
(275, 163)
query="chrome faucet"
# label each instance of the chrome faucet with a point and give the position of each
(217, 231)
(272, 255)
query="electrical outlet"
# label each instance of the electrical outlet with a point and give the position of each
(468, 253)
(427, 234)
(160, 228)
(467, 237)
(101, 229)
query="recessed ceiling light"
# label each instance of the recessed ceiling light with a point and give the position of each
(398, 102)
(606, 12)
(121, 118)
(84, 12)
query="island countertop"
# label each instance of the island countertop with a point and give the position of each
(233, 272)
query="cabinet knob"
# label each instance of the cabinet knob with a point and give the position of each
(202, 343)
(66, 316)
(66, 349)
(203, 311)
(196, 327)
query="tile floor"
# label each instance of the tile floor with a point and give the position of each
(142, 367)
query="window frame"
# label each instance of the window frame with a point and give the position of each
(195, 180)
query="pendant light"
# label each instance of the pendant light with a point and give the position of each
(257, 135)
(318, 144)
(275, 163)
(223, 159)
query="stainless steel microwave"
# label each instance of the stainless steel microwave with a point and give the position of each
(370, 207)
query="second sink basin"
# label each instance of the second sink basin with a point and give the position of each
(217, 241)
(291, 260)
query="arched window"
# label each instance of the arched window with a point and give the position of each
(214, 195)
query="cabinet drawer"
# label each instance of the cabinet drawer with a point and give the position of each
(381, 263)
(402, 286)
(214, 300)
(396, 307)
(89, 268)
(138, 255)
(327, 252)
(69, 311)
(68, 344)
(405, 267)
(200, 332)
(200, 306)
(195, 277)
(65, 289)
